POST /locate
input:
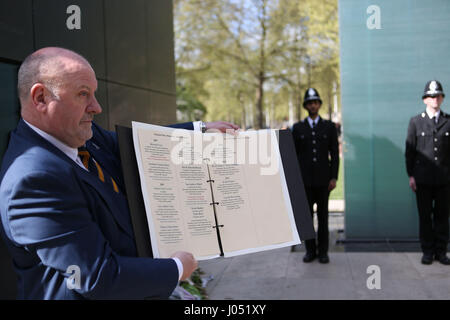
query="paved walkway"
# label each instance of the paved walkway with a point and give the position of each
(281, 274)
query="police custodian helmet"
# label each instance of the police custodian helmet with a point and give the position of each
(432, 89)
(310, 95)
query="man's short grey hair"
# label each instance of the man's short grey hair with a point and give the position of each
(39, 67)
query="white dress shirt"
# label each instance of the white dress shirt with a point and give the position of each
(430, 114)
(311, 121)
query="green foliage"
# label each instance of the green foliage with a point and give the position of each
(250, 62)
(194, 285)
(190, 108)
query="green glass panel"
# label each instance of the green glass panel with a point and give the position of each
(383, 74)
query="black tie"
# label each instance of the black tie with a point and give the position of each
(93, 167)
(434, 120)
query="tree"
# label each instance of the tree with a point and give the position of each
(251, 59)
(189, 107)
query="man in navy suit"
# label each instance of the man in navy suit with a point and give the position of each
(68, 231)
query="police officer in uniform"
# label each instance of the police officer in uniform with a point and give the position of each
(427, 156)
(317, 149)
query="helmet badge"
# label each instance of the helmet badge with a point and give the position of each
(433, 86)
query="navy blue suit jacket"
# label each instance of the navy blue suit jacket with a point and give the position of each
(55, 215)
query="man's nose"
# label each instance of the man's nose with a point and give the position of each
(94, 107)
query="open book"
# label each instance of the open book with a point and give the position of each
(213, 194)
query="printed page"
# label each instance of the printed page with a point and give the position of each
(176, 193)
(249, 184)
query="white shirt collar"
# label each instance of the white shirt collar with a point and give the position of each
(72, 153)
(310, 121)
(430, 115)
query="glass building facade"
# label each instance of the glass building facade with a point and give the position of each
(389, 50)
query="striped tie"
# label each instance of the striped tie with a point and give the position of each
(93, 167)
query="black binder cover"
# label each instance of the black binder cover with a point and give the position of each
(300, 208)
(294, 181)
(134, 192)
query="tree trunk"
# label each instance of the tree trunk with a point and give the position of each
(299, 102)
(259, 102)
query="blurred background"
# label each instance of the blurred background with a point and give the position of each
(250, 62)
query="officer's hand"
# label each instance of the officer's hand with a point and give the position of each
(332, 184)
(188, 261)
(412, 184)
(222, 126)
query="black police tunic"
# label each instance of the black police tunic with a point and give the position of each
(427, 150)
(317, 151)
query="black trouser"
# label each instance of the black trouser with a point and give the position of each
(318, 195)
(433, 204)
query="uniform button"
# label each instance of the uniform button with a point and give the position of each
(314, 150)
(314, 141)
(435, 158)
(435, 139)
(423, 133)
(435, 149)
(314, 159)
(313, 133)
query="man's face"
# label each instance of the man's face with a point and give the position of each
(434, 102)
(313, 107)
(70, 114)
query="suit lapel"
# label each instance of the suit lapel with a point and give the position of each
(320, 125)
(98, 154)
(116, 203)
(442, 120)
(306, 128)
(105, 162)
(307, 125)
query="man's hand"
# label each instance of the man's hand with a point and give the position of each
(332, 184)
(412, 183)
(222, 126)
(188, 261)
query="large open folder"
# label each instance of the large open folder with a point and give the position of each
(197, 199)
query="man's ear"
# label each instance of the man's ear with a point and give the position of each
(39, 96)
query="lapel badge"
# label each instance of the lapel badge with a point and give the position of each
(96, 146)
(423, 114)
(446, 133)
(423, 133)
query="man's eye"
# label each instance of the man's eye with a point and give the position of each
(84, 93)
